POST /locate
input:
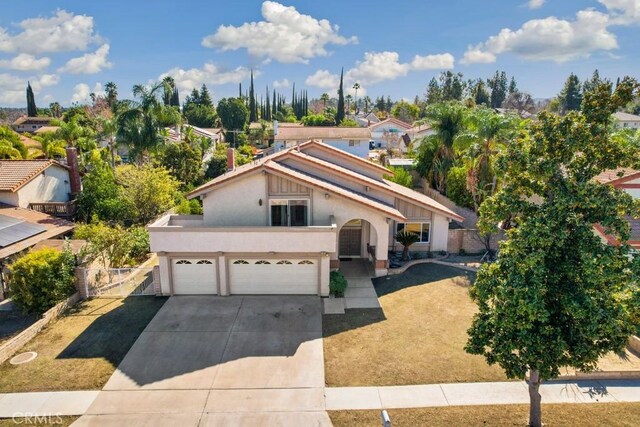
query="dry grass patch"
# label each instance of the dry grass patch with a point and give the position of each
(81, 350)
(417, 338)
(597, 414)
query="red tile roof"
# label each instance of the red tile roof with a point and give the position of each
(16, 173)
(612, 175)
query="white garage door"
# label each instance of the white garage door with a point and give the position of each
(274, 276)
(193, 276)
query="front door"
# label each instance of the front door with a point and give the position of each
(350, 242)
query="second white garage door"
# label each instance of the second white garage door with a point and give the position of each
(273, 276)
(194, 276)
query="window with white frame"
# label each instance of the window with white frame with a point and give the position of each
(422, 229)
(289, 213)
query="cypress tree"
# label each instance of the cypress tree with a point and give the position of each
(253, 110)
(268, 106)
(205, 97)
(274, 109)
(571, 95)
(32, 111)
(175, 98)
(340, 112)
(240, 90)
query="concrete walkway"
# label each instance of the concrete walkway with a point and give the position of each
(360, 292)
(303, 406)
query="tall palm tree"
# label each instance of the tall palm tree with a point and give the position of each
(348, 98)
(141, 126)
(356, 86)
(50, 146)
(367, 102)
(324, 98)
(486, 134)
(111, 91)
(436, 154)
(108, 130)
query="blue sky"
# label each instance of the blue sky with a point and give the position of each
(70, 48)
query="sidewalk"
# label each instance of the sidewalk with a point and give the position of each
(349, 398)
(463, 394)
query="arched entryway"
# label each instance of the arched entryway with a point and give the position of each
(357, 239)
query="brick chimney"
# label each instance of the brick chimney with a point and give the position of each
(74, 171)
(231, 159)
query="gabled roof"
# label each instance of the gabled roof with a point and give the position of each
(31, 120)
(16, 173)
(300, 133)
(336, 189)
(626, 117)
(344, 154)
(617, 176)
(420, 128)
(393, 120)
(385, 185)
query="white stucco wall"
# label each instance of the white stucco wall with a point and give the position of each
(164, 275)
(439, 233)
(50, 186)
(236, 203)
(9, 198)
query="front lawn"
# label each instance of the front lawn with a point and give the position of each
(596, 414)
(417, 338)
(81, 350)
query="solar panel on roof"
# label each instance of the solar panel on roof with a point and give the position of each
(13, 230)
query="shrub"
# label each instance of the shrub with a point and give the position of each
(139, 237)
(41, 279)
(337, 283)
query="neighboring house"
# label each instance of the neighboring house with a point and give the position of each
(388, 133)
(366, 120)
(352, 140)
(626, 120)
(278, 225)
(417, 133)
(30, 124)
(47, 129)
(20, 229)
(402, 163)
(628, 180)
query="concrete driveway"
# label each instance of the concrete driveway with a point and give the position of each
(218, 360)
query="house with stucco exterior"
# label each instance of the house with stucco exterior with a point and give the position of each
(388, 134)
(353, 140)
(280, 224)
(626, 120)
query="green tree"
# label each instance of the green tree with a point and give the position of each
(11, 146)
(32, 110)
(405, 111)
(480, 94)
(253, 109)
(400, 176)
(111, 94)
(340, 111)
(147, 191)
(436, 153)
(183, 162)
(41, 279)
(141, 127)
(100, 197)
(318, 120)
(571, 95)
(51, 146)
(498, 86)
(216, 166)
(452, 86)
(234, 115)
(406, 239)
(324, 98)
(434, 94)
(113, 246)
(356, 87)
(56, 109)
(555, 297)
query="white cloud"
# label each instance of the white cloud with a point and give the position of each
(82, 92)
(443, 61)
(535, 4)
(281, 83)
(12, 88)
(63, 32)
(285, 35)
(377, 67)
(323, 79)
(25, 62)
(209, 74)
(89, 63)
(623, 12)
(549, 39)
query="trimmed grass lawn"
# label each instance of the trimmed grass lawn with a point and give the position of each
(417, 338)
(596, 414)
(80, 350)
